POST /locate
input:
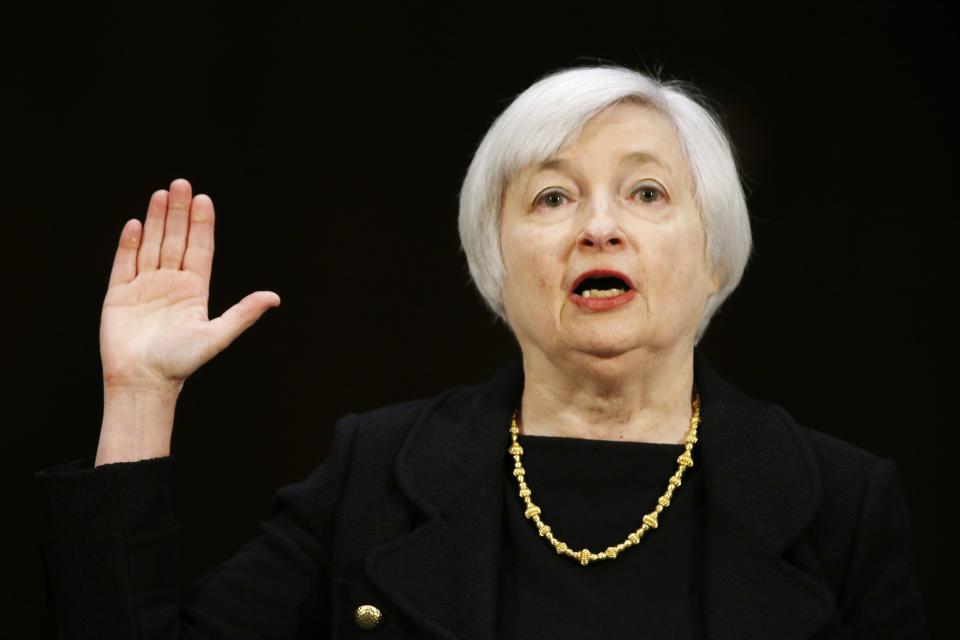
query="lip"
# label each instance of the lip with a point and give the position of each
(602, 304)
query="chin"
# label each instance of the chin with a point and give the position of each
(606, 348)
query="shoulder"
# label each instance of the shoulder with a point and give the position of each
(380, 432)
(836, 459)
(850, 475)
(860, 494)
(366, 443)
(857, 484)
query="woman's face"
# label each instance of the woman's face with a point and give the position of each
(619, 198)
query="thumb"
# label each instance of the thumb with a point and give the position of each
(241, 317)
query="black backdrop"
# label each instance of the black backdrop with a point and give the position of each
(333, 141)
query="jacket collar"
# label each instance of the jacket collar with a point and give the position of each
(762, 490)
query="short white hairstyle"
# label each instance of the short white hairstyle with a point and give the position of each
(549, 116)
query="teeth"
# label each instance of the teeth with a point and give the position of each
(602, 293)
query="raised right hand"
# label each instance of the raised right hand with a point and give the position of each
(154, 329)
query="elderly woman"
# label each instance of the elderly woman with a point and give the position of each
(607, 482)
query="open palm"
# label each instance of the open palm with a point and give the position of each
(154, 327)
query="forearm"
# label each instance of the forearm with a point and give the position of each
(137, 425)
(110, 546)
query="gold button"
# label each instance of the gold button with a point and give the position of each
(367, 616)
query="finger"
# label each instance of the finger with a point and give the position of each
(175, 230)
(149, 258)
(199, 255)
(241, 317)
(125, 260)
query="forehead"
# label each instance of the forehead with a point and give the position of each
(623, 133)
(628, 123)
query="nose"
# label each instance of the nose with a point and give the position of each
(601, 228)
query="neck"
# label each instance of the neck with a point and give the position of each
(641, 396)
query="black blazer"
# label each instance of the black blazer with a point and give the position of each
(806, 536)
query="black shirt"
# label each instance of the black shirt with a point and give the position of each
(593, 493)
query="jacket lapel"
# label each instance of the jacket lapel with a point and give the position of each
(445, 573)
(762, 489)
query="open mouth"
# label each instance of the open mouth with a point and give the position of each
(601, 287)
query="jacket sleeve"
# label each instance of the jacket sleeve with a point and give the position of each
(110, 538)
(881, 595)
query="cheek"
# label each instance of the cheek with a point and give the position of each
(536, 279)
(531, 258)
(674, 267)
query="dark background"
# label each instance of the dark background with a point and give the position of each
(333, 141)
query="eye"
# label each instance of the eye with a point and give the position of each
(649, 193)
(552, 198)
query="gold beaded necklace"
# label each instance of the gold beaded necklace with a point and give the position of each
(585, 556)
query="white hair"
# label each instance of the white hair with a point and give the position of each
(549, 115)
